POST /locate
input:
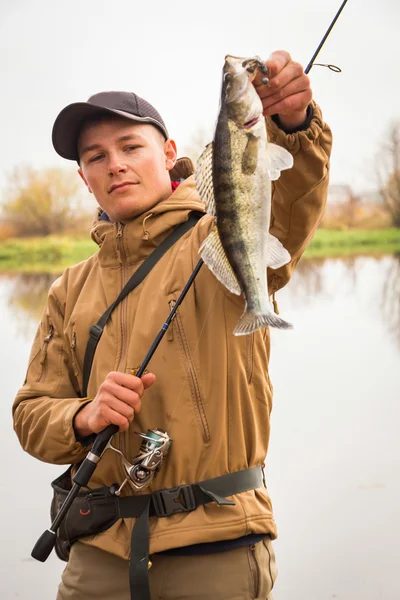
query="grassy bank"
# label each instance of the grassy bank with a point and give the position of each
(53, 254)
(331, 242)
(44, 255)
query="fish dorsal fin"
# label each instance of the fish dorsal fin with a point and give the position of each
(204, 179)
(278, 159)
(277, 255)
(213, 254)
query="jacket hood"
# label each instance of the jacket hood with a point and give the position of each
(138, 238)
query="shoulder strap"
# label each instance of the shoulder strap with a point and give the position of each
(96, 331)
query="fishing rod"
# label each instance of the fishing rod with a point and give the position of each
(47, 540)
(322, 42)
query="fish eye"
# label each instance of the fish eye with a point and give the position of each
(228, 77)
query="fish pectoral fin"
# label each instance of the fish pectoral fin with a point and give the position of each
(278, 159)
(204, 179)
(277, 255)
(213, 254)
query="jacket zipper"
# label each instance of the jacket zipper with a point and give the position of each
(43, 352)
(249, 356)
(123, 309)
(75, 360)
(191, 375)
(123, 305)
(254, 569)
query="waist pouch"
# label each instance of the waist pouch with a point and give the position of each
(94, 511)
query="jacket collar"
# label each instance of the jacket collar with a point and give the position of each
(135, 240)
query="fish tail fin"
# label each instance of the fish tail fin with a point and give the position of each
(250, 322)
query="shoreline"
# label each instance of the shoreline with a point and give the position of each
(54, 254)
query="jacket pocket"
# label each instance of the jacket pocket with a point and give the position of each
(273, 571)
(43, 353)
(191, 375)
(254, 570)
(262, 568)
(249, 357)
(76, 362)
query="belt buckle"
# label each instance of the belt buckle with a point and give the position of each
(174, 500)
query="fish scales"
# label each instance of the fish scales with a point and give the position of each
(237, 215)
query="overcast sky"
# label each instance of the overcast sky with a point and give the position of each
(54, 52)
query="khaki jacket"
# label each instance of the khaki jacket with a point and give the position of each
(212, 395)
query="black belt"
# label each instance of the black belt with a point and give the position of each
(164, 503)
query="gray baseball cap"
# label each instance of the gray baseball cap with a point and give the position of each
(68, 124)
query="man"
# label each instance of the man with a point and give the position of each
(208, 389)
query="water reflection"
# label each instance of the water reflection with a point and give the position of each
(391, 297)
(377, 278)
(372, 279)
(27, 297)
(312, 277)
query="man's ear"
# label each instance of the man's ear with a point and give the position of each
(170, 154)
(84, 179)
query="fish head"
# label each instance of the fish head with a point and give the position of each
(238, 92)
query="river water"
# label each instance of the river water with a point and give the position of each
(333, 468)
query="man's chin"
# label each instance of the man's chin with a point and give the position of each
(129, 214)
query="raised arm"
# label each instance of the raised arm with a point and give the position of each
(295, 122)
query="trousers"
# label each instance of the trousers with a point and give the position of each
(246, 573)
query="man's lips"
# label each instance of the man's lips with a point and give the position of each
(121, 187)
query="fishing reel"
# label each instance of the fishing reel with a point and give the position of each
(147, 463)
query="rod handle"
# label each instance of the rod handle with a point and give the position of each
(43, 547)
(84, 473)
(102, 439)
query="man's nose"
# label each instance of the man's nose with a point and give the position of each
(116, 166)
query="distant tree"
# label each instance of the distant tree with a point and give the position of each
(388, 173)
(42, 202)
(351, 209)
(196, 144)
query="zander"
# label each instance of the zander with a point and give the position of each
(233, 177)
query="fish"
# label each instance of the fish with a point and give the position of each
(233, 178)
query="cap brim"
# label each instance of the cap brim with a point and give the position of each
(68, 124)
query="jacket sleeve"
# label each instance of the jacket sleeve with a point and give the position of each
(46, 404)
(299, 195)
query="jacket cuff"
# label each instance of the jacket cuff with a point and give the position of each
(305, 125)
(304, 138)
(69, 418)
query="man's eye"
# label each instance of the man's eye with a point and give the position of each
(96, 158)
(130, 148)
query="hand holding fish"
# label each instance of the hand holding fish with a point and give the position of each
(288, 92)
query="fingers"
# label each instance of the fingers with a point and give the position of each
(288, 91)
(148, 379)
(116, 412)
(275, 64)
(111, 389)
(296, 102)
(118, 399)
(292, 77)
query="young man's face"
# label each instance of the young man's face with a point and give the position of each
(126, 166)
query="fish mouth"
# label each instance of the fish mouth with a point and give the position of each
(251, 123)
